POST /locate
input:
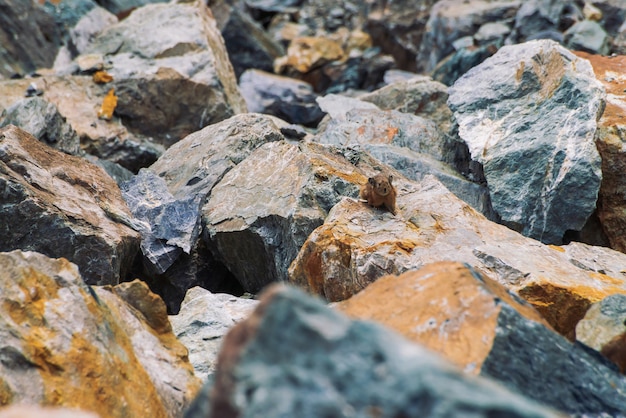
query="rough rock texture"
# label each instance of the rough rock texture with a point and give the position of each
(42, 120)
(247, 42)
(602, 329)
(454, 310)
(65, 344)
(63, 206)
(203, 321)
(453, 19)
(78, 99)
(611, 140)
(338, 367)
(357, 245)
(24, 411)
(538, 19)
(170, 226)
(175, 81)
(587, 36)
(284, 97)
(123, 7)
(28, 38)
(262, 211)
(529, 115)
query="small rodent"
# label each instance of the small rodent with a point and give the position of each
(379, 191)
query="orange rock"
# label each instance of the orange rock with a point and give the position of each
(307, 53)
(108, 106)
(446, 306)
(102, 77)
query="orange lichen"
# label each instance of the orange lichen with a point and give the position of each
(102, 77)
(108, 106)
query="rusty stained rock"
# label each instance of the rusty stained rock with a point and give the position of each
(611, 140)
(63, 206)
(307, 53)
(454, 310)
(71, 346)
(356, 245)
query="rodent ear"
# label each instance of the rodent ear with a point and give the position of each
(390, 178)
(371, 181)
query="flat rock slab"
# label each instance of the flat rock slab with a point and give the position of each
(63, 206)
(65, 343)
(356, 245)
(475, 322)
(529, 115)
(338, 367)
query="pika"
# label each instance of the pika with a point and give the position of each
(379, 191)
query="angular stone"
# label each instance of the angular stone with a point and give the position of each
(338, 367)
(475, 322)
(610, 141)
(602, 328)
(308, 53)
(450, 20)
(541, 16)
(63, 206)
(529, 115)
(587, 36)
(203, 321)
(176, 81)
(66, 344)
(42, 120)
(78, 99)
(261, 212)
(284, 97)
(124, 7)
(356, 245)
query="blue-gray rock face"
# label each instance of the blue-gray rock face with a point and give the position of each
(295, 357)
(529, 114)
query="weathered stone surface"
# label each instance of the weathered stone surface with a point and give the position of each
(124, 7)
(42, 119)
(262, 211)
(24, 411)
(338, 367)
(248, 44)
(28, 38)
(308, 53)
(63, 206)
(78, 99)
(587, 36)
(356, 245)
(284, 97)
(203, 321)
(169, 226)
(536, 17)
(602, 328)
(462, 60)
(473, 321)
(176, 81)
(610, 141)
(450, 20)
(211, 152)
(66, 344)
(529, 115)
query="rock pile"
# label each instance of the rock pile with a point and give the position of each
(180, 157)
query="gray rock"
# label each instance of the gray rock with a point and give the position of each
(203, 321)
(124, 7)
(587, 36)
(284, 6)
(284, 97)
(177, 80)
(42, 119)
(211, 152)
(169, 226)
(542, 365)
(247, 42)
(29, 38)
(261, 212)
(461, 61)
(491, 32)
(536, 16)
(529, 115)
(63, 206)
(339, 367)
(453, 19)
(618, 44)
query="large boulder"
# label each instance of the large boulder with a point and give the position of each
(175, 81)
(67, 344)
(338, 367)
(454, 310)
(63, 206)
(529, 115)
(357, 245)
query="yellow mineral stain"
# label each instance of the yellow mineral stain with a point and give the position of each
(557, 248)
(102, 77)
(108, 106)
(6, 393)
(390, 133)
